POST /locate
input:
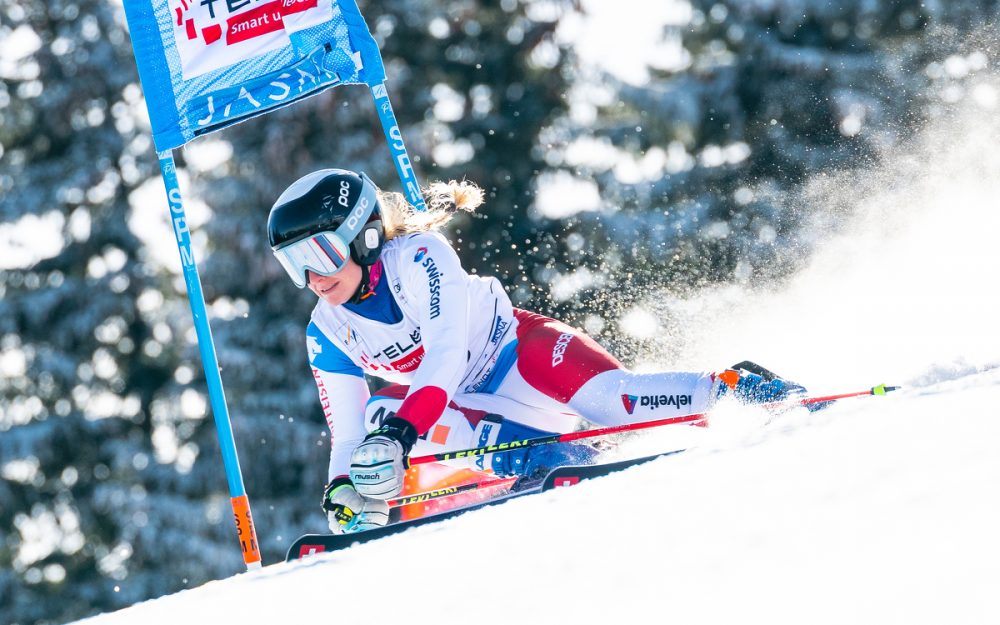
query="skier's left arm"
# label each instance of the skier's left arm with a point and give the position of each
(440, 288)
(433, 276)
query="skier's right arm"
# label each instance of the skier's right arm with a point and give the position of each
(343, 394)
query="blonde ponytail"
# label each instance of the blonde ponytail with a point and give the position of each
(443, 200)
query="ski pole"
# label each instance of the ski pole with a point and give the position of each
(554, 438)
(451, 491)
(881, 389)
(550, 439)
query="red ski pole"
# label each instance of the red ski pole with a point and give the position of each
(881, 389)
(553, 438)
(528, 443)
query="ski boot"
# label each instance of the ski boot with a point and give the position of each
(530, 464)
(750, 383)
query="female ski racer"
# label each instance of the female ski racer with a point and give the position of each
(468, 369)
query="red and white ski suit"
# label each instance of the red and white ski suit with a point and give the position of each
(456, 350)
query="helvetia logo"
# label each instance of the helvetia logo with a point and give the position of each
(629, 402)
(654, 401)
(421, 252)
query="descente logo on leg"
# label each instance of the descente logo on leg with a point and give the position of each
(560, 348)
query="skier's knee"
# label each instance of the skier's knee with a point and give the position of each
(379, 408)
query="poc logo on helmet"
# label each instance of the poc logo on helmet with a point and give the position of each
(345, 189)
(359, 211)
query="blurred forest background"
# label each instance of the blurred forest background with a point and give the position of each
(610, 172)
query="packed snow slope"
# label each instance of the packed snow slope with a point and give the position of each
(877, 510)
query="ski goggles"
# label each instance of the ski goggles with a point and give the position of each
(326, 253)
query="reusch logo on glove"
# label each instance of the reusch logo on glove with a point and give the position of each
(654, 401)
(366, 476)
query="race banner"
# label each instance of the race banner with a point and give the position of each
(206, 64)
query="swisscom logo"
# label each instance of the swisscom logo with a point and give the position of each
(421, 252)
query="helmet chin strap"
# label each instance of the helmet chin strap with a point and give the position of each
(364, 287)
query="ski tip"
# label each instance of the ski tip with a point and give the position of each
(882, 389)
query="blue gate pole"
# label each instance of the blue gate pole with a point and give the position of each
(394, 138)
(210, 362)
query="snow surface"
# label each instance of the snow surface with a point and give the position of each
(877, 510)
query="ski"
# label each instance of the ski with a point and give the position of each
(572, 475)
(311, 544)
(556, 478)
